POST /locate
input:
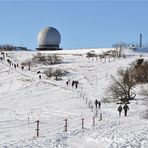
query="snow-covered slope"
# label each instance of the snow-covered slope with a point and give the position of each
(24, 99)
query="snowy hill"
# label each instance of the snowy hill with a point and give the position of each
(25, 99)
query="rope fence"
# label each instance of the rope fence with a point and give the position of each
(68, 125)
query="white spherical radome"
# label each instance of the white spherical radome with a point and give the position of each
(49, 36)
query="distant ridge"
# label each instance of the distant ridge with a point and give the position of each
(8, 47)
(144, 49)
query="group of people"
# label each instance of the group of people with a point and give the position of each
(39, 74)
(120, 108)
(73, 83)
(97, 104)
(4, 56)
(125, 108)
(15, 65)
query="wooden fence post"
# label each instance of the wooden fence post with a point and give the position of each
(96, 113)
(78, 92)
(37, 129)
(82, 123)
(83, 96)
(92, 107)
(28, 120)
(86, 100)
(65, 125)
(93, 121)
(100, 116)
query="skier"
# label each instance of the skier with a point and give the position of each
(125, 107)
(120, 110)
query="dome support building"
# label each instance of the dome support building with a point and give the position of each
(49, 38)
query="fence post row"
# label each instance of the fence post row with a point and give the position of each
(66, 124)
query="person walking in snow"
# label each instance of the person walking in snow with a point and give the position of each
(120, 110)
(67, 82)
(96, 103)
(72, 83)
(15, 66)
(99, 104)
(125, 107)
(76, 85)
(40, 76)
(22, 67)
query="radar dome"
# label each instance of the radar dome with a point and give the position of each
(49, 38)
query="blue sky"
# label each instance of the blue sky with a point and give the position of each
(82, 24)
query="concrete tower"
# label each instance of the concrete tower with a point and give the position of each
(140, 45)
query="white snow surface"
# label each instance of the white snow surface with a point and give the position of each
(24, 99)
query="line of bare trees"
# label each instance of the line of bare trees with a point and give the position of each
(8, 47)
(107, 54)
(47, 59)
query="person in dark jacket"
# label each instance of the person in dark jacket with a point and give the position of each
(125, 107)
(67, 82)
(72, 83)
(22, 67)
(96, 103)
(76, 85)
(99, 104)
(120, 110)
(40, 76)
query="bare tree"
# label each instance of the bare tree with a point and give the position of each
(144, 91)
(121, 88)
(28, 63)
(141, 72)
(56, 59)
(48, 73)
(120, 47)
(55, 73)
(47, 59)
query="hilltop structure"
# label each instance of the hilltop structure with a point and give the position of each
(49, 38)
(140, 44)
